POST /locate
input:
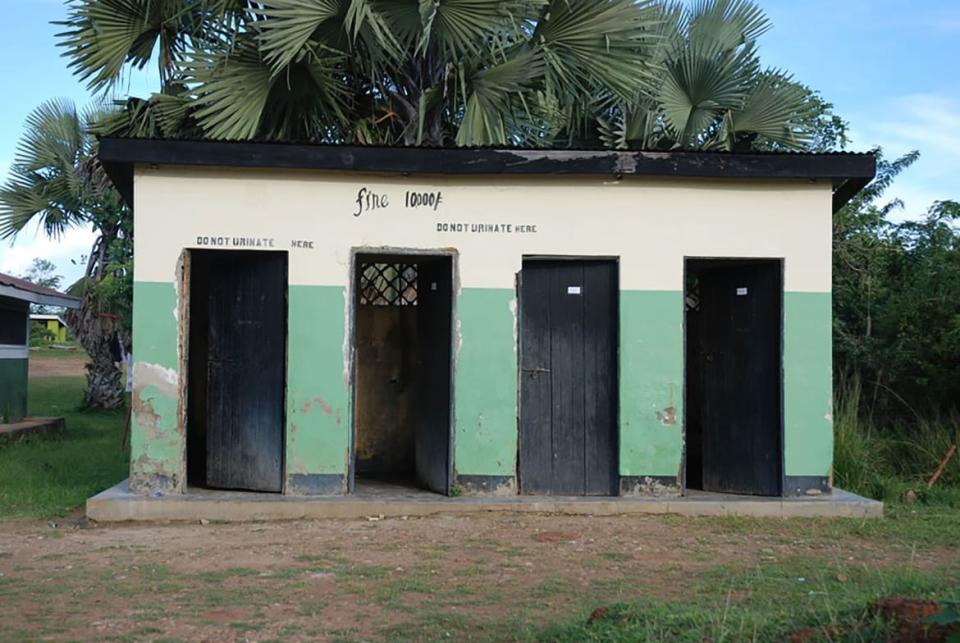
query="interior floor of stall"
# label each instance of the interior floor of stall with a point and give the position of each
(389, 487)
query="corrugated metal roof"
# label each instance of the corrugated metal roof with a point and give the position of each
(848, 171)
(28, 288)
(510, 148)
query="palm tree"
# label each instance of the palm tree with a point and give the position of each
(624, 73)
(56, 183)
(711, 91)
(365, 71)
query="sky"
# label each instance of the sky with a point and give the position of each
(890, 67)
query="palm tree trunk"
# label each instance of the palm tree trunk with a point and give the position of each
(96, 333)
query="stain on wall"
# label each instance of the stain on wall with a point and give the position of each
(651, 382)
(318, 409)
(386, 362)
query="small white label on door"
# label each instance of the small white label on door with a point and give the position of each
(433, 285)
(741, 292)
(573, 290)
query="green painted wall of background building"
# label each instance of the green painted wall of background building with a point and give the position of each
(13, 390)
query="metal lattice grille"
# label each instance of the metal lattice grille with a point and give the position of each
(388, 284)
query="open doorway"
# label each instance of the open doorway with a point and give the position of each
(402, 372)
(236, 369)
(734, 377)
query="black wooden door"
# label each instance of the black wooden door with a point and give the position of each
(432, 448)
(568, 377)
(246, 370)
(740, 336)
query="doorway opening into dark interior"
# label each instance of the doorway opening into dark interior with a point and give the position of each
(733, 326)
(236, 369)
(569, 390)
(402, 336)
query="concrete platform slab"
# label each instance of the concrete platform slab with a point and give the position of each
(32, 426)
(118, 504)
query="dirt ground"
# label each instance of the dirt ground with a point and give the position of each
(69, 364)
(382, 579)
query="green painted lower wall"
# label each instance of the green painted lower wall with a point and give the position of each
(13, 389)
(651, 383)
(157, 441)
(485, 411)
(808, 384)
(317, 398)
(485, 390)
(155, 324)
(318, 402)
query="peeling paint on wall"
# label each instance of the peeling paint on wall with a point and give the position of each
(667, 417)
(487, 485)
(158, 437)
(655, 486)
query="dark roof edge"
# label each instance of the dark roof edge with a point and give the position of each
(23, 290)
(849, 172)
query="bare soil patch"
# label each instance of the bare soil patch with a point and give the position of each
(69, 364)
(350, 579)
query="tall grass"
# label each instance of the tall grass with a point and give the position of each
(885, 458)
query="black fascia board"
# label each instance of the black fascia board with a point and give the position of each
(848, 172)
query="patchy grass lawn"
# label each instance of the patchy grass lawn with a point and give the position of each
(51, 475)
(486, 578)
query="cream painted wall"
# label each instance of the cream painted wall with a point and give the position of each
(650, 224)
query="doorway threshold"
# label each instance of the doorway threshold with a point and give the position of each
(118, 504)
(388, 488)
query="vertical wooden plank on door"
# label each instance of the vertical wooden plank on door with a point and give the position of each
(536, 441)
(740, 386)
(567, 378)
(600, 377)
(768, 378)
(246, 370)
(432, 434)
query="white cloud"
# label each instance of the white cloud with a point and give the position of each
(928, 122)
(66, 252)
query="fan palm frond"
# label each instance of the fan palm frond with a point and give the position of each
(237, 85)
(45, 183)
(291, 24)
(769, 110)
(598, 42)
(493, 100)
